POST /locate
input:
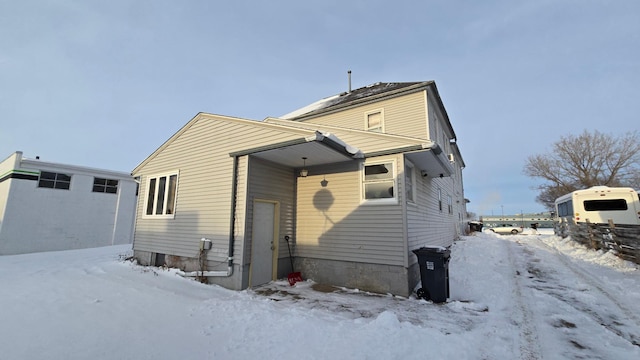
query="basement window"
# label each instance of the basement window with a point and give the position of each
(161, 195)
(53, 180)
(378, 182)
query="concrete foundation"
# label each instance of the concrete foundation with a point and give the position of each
(383, 279)
(237, 281)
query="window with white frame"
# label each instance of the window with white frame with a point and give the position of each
(440, 199)
(378, 182)
(450, 204)
(409, 181)
(374, 121)
(161, 195)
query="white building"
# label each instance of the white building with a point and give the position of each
(46, 206)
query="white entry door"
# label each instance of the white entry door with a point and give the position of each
(263, 242)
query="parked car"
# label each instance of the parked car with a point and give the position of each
(507, 229)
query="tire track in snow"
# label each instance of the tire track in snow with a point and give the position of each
(592, 281)
(522, 314)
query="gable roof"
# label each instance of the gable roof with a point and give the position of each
(324, 143)
(311, 135)
(366, 94)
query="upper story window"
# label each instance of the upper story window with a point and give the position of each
(374, 121)
(54, 180)
(108, 186)
(161, 195)
(409, 181)
(440, 199)
(378, 182)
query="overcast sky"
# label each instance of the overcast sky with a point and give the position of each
(105, 83)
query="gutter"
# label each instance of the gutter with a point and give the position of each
(325, 138)
(432, 146)
(206, 273)
(333, 142)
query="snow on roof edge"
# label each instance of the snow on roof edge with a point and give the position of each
(309, 108)
(349, 148)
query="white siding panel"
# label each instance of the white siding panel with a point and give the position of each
(55, 219)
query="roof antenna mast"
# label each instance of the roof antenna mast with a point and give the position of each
(349, 73)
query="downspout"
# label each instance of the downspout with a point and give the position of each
(135, 217)
(232, 230)
(115, 219)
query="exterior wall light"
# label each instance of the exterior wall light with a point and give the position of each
(304, 172)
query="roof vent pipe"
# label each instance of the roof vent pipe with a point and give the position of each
(349, 73)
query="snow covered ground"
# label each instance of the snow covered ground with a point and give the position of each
(512, 297)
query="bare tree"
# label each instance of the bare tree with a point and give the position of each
(586, 160)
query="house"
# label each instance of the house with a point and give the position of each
(46, 206)
(356, 181)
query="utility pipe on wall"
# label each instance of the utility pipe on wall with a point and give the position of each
(232, 229)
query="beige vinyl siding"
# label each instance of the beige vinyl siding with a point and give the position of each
(371, 142)
(241, 211)
(459, 204)
(426, 225)
(365, 141)
(438, 130)
(271, 182)
(404, 115)
(200, 152)
(332, 223)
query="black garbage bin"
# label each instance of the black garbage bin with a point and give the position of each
(475, 226)
(434, 273)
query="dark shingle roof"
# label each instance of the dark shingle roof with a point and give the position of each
(365, 93)
(370, 90)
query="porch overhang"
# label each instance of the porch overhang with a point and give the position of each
(431, 161)
(318, 149)
(428, 158)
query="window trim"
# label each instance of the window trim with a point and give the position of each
(366, 121)
(411, 179)
(605, 205)
(165, 195)
(394, 179)
(55, 181)
(440, 198)
(106, 185)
